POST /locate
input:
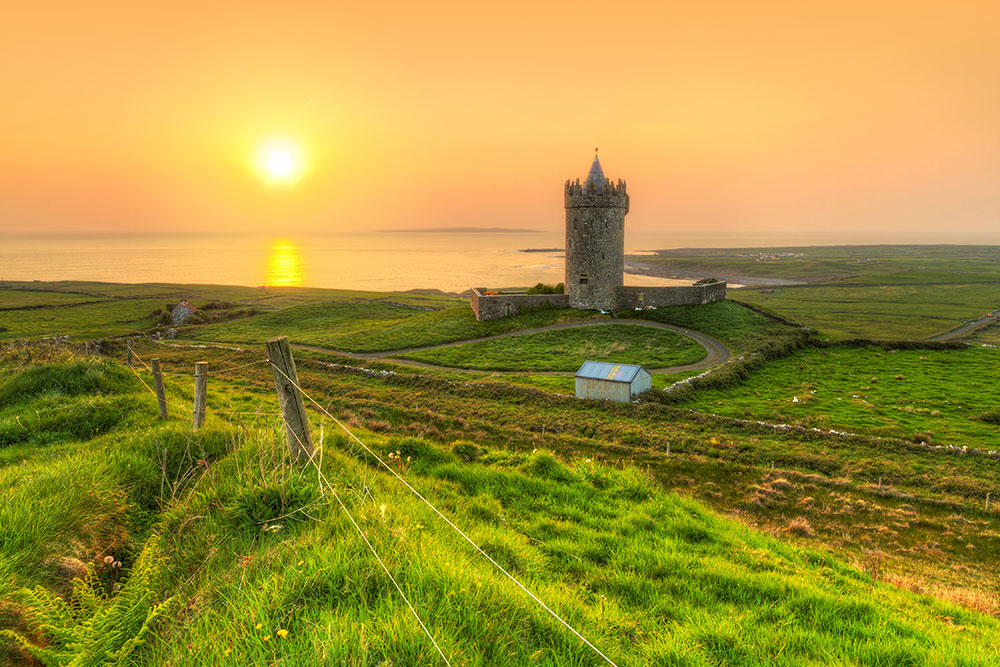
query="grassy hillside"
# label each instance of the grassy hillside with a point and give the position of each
(259, 563)
(567, 349)
(337, 326)
(88, 310)
(907, 394)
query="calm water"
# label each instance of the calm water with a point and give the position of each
(371, 261)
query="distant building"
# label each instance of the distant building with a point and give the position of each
(612, 382)
(595, 260)
(182, 311)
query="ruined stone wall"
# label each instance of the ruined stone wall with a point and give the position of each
(492, 307)
(595, 245)
(683, 295)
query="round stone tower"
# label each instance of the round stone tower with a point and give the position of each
(595, 240)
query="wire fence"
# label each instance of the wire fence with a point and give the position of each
(343, 506)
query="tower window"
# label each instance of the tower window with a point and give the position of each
(583, 278)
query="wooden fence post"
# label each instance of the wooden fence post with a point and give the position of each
(131, 354)
(279, 353)
(200, 393)
(161, 395)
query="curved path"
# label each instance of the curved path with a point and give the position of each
(715, 352)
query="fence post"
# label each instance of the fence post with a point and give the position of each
(293, 409)
(131, 354)
(200, 393)
(161, 395)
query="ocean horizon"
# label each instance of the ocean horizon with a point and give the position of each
(385, 260)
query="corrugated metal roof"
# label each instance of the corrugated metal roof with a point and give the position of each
(602, 370)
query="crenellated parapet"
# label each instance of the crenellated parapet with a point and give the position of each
(591, 195)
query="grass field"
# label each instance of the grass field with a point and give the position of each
(873, 264)
(114, 309)
(339, 326)
(924, 395)
(846, 291)
(880, 311)
(567, 349)
(258, 563)
(989, 335)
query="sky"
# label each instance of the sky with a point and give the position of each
(827, 122)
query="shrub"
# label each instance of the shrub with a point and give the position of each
(256, 507)
(542, 288)
(467, 452)
(800, 526)
(990, 417)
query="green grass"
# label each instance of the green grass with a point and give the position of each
(87, 310)
(376, 327)
(988, 335)
(264, 566)
(739, 328)
(932, 395)
(883, 311)
(567, 349)
(872, 264)
(24, 298)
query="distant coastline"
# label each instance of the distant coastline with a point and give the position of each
(461, 230)
(542, 250)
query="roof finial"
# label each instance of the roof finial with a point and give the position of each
(595, 150)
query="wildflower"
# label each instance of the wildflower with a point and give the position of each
(108, 560)
(282, 633)
(302, 562)
(117, 564)
(267, 638)
(117, 587)
(258, 626)
(227, 651)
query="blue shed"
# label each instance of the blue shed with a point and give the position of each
(612, 382)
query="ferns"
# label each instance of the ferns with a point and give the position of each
(95, 628)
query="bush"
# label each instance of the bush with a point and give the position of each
(990, 417)
(542, 288)
(467, 452)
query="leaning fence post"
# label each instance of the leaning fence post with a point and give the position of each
(293, 409)
(200, 393)
(131, 354)
(161, 395)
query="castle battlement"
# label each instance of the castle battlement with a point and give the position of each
(595, 260)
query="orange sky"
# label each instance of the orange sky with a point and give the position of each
(847, 121)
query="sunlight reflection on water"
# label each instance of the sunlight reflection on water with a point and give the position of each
(284, 267)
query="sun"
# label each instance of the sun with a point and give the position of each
(280, 160)
(279, 163)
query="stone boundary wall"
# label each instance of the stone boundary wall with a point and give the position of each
(495, 306)
(628, 297)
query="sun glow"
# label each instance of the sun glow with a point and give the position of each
(284, 268)
(280, 160)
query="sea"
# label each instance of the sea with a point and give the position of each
(379, 261)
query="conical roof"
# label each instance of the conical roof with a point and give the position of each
(596, 176)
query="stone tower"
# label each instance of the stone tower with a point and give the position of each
(595, 240)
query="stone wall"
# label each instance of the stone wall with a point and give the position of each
(683, 295)
(495, 306)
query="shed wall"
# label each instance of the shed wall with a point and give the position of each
(603, 390)
(643, 381)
